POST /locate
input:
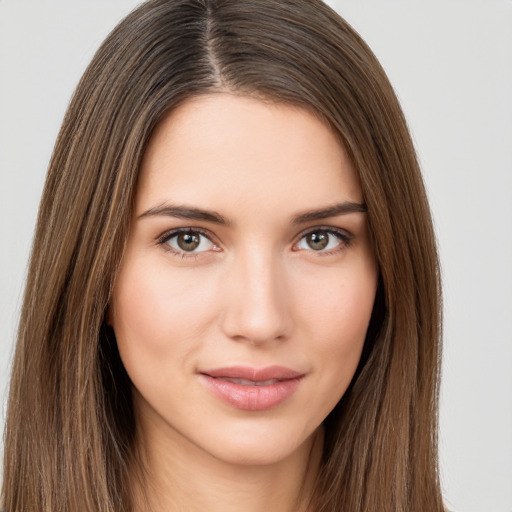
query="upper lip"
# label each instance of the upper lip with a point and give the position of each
(254, 374)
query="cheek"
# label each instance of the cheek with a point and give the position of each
(159, 315)
(341, 301)
(337, 312)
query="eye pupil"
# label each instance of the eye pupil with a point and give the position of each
(188, 241)
(318, 240)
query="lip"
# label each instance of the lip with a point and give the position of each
(271, 386)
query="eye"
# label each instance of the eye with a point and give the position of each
(323, 240)
(187, 242)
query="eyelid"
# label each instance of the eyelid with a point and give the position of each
(167, 235)
(345, 238)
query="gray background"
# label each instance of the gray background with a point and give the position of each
(451, 64)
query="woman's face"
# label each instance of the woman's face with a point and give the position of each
(248, 281)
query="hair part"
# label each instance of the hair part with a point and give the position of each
(70, 434)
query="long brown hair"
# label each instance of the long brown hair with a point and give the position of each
(70, 426)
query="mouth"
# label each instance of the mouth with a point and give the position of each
(245, 382)
(252, 389)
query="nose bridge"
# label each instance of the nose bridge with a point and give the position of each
(257, 308)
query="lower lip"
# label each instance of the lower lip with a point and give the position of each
(252, 398)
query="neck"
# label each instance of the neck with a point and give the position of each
(180, 476)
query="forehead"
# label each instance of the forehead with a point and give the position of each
(229, 149)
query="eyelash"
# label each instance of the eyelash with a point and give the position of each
(163, 239)
(343, 236)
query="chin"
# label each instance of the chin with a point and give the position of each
(258, 447)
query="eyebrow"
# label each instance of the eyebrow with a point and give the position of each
(329, 211)
(186, 212)
(191, 213)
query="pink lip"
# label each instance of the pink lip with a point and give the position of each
(252, 397)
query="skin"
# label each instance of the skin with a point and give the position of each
(255, 293)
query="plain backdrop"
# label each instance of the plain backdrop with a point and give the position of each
(451, 64)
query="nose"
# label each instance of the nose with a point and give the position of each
(257, 300)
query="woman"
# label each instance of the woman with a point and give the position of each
(233, 297)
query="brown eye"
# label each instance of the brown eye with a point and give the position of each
(324, 240)
(184, 242)
(318, 240)
(188, 241)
